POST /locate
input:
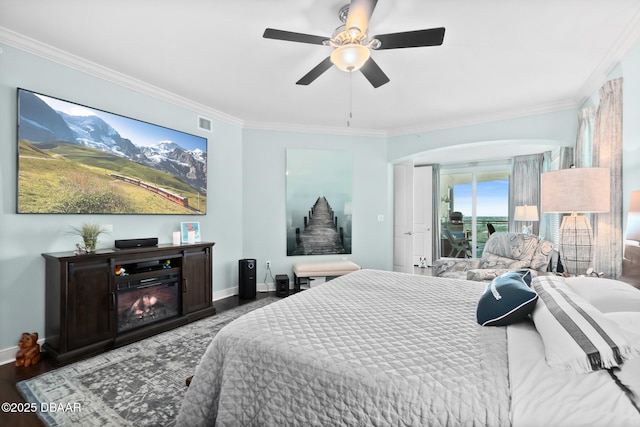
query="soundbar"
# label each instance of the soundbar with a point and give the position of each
(136, 243)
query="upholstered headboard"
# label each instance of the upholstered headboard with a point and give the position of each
(631, 265)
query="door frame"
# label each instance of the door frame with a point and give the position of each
(423, 213)
(403, 217)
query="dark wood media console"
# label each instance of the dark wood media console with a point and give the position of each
(91, 306)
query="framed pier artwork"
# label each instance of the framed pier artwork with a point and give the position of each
(319, 202)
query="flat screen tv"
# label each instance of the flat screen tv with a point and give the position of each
(74, 159)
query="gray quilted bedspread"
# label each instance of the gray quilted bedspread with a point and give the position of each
(371, 348)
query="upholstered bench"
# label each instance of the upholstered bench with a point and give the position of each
(305, 272)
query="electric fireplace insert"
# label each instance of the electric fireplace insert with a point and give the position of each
(148, 300)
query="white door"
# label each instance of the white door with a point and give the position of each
(403, 217)
(422, 215)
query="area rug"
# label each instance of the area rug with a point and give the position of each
(141, 384)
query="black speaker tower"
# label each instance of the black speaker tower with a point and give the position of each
(247, 278)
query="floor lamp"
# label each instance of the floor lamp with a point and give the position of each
(576, 190)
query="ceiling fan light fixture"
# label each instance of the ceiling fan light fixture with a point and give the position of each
(350, 57)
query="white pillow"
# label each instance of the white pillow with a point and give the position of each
(606, 295)
(627, 320)
(577, 337)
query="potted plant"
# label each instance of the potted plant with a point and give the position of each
(89, 232)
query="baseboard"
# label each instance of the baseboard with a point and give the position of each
(269, 287)
(229, 292)
(260, 287)
(225, 293)
(265, 287)
(8, 355)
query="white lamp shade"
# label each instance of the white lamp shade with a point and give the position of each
(526, 213)
(576, 190)
(633, 219)
(350, 57)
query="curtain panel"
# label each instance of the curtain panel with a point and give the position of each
(607, 153)
(584, 138)
(524, 188)
(548, 222)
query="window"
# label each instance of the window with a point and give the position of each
(472, 198)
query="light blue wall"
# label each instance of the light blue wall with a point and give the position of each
(24, 237)
(264, 198)
(630, 67)
(552, 129)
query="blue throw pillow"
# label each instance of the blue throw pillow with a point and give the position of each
(507, 299)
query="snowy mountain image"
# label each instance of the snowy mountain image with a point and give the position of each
(48, 125)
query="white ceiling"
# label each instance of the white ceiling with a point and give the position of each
(499, 59)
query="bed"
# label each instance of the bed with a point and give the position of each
(380, 348)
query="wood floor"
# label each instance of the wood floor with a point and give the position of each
(10, 375)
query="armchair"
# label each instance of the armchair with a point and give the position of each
(503, 252)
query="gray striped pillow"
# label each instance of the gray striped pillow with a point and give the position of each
(577, 337)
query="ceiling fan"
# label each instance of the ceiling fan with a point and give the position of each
(352, 45)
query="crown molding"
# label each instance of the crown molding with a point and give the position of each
(489, 117)
(59, 56)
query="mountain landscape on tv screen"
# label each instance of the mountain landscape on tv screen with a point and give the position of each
(92, 143)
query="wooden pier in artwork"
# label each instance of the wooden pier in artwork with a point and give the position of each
(321, 234)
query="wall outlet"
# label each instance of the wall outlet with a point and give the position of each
(268, 263)
(108, 228)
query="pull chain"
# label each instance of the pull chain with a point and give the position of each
(350, 101)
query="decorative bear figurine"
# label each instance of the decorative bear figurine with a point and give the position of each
(29, 353)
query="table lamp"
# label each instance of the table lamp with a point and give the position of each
(527, 214)
(573, 191)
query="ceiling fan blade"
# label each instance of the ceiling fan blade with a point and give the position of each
(316, 72)
(418, 38)
(290, 36)
(374, 73)
(360, 12)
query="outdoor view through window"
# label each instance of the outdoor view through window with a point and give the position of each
(470, 204)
